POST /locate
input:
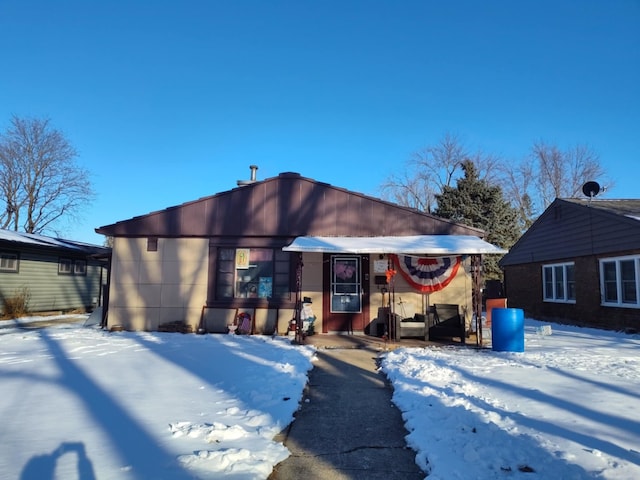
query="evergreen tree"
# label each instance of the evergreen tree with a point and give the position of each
(476, 203)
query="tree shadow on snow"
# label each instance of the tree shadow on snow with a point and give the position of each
(138, 452)
(514, 452)
(229, 362)
(536, 457)
(575, 408)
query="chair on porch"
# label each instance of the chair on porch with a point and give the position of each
(415, 326)
(447, 322)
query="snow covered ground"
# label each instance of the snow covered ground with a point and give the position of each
(77, 402)
(565, 408)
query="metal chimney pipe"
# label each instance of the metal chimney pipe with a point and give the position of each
(242, 183)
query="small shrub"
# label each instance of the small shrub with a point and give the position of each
(17, 305)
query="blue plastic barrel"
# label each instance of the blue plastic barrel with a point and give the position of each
(507, 330)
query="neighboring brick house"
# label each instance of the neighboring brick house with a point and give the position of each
(242, 250)
(55, 274)
(579, 263)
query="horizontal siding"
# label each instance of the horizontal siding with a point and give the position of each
(615, 236)
(567, 230)
(48, 290)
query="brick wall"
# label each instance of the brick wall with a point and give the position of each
(523, 286)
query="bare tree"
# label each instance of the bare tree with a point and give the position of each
(517, 180)
(10, 186)
(426, 173)
(407, 189)
(40, 182)
(488, 166)
(440, 162)
(529, 185)
(563, 173)
(549, 173)
(432, 169)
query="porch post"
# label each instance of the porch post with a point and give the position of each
(299, 324)
(476, 280)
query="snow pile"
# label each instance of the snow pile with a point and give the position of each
(565, 408)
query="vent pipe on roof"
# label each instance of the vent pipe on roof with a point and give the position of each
(254, 169)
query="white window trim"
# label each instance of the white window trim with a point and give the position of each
(554, 298)
(79, 267)
(617, 260)
(65, 266)
(12, 262)
(71, 266)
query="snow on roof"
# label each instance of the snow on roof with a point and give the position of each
(42, 241)
(412, 244)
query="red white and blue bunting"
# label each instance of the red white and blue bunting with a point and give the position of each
(427, 274)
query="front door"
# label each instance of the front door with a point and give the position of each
(346, 295)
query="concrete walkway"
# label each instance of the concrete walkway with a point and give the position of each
(347, 427)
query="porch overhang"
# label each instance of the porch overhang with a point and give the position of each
(411, 245)
(407, 245)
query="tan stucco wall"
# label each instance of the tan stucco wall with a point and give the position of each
(151, 288)
(312, 285)
(459, 291)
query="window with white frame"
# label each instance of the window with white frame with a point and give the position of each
(619, 281)
(80, 267)
(68, 266)
(559, 282)
(8, 262)
(65, 266)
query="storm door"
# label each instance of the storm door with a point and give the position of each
(346, 296)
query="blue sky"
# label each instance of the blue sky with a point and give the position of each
(170, 101)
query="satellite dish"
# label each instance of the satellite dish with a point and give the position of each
(591, 189)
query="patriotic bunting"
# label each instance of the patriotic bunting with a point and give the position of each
(427, 274)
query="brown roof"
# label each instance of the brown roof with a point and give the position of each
(573, 227)
(288, 205)
(624, 207)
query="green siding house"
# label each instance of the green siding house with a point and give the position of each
(54, 274)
